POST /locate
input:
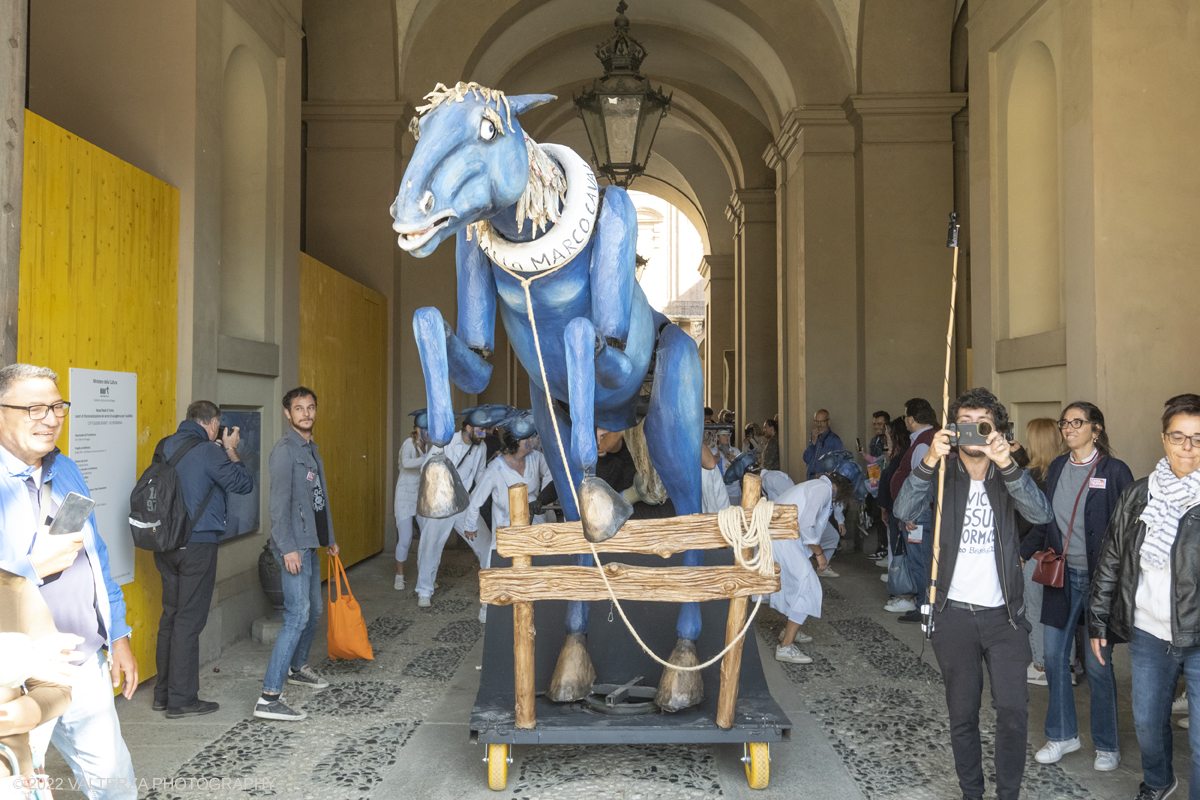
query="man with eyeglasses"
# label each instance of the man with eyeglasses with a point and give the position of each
(73, 576)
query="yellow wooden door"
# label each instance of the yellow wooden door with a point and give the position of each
(343, 358)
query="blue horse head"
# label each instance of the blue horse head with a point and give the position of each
(470, 163)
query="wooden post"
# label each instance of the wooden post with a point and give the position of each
(731, 664)
(523, 632)
(13, 15)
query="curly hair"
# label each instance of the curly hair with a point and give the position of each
(982, 399)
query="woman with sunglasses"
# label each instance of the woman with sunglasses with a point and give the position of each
(1084, 487)
(1147, 592)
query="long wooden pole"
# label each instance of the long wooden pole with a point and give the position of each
(927, 609)
(731, 664)
(523, 632)
(13, 21)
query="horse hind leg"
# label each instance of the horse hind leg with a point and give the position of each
(573, 673)
(674, 431)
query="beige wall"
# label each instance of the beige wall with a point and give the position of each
(1127, 112)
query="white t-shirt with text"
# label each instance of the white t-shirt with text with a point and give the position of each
(975, 578)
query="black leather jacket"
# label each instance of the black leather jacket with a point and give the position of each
(1009, 491)
(1114, 586)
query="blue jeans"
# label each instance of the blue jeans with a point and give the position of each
(920, 554)
(1061, 723)
(1156, 668)
(88, 736)
(302, 602)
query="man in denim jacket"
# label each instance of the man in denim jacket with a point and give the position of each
(73, 576)
(300, 524)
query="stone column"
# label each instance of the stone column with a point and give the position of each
(819, 322)
(13, 18)
(717, 272)
(752, 212)
(905, 173)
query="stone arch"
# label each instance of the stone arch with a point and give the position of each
(244, 165)
(1034, 263)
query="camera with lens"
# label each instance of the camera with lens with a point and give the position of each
(971, 433)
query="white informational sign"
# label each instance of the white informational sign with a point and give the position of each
(103, 442)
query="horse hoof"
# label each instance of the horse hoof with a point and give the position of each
(441, 493)
(601, 510)
(679, 690)
(573, 675)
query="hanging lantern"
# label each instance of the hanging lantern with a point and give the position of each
(622, 111)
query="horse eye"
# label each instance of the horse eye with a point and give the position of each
(487, 131)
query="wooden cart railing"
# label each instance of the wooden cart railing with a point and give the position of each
(522, 584)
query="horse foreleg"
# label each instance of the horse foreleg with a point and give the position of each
(444, 357)
(601, 509)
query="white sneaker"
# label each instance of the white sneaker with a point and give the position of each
(398, 584)
(792, 654)
(1106, 761)
(801, 636)
(898, 605)
(1182, 722)
(828, 573)
(883, 577)
(423, 601)
(483, 613)
(1180, 706)
(1052, 752)
(881, 562)
(1036, 676)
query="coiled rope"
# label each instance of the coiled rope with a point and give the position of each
(732, 521)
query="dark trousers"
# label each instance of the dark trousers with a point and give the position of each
(188, 575)
(963, 642)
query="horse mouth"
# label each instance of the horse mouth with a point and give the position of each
(412, 237)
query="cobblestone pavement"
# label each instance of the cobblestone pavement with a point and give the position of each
(869, 715)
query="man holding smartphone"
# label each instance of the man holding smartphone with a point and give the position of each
(206, 472)
(72, 576)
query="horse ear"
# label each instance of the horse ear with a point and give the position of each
(524, 102)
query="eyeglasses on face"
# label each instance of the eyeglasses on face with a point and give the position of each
(1063, 424)
(1177, 438)
(39, 411)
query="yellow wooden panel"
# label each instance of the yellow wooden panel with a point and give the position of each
(99, 262)
(343, 358)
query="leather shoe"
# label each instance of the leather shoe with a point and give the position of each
(159, 705)
(196, 709)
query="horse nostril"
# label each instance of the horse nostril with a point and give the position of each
(427, 202)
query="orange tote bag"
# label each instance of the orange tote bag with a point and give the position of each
(347, 634)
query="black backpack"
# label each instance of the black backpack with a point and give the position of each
(158, 517)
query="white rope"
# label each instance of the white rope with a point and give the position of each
(756, 536)
(759, 525)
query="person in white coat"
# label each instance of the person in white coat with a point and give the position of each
(800, 593)
(517, 462)
(413, 454)
(468, 454)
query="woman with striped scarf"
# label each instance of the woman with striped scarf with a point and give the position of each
(1147, 591)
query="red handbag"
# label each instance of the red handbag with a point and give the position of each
(1051, 567)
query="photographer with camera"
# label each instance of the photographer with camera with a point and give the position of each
(978, 614)
(206, 472)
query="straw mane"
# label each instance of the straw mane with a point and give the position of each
(546, 186)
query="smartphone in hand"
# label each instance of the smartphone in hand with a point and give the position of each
(72, 514)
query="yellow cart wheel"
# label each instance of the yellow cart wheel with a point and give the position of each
(498, 761)
(757, 758)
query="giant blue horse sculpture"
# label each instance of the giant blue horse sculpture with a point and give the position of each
(538, 239)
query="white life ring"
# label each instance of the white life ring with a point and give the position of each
(568, 236)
